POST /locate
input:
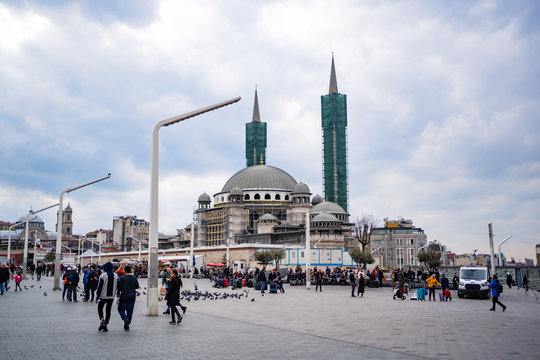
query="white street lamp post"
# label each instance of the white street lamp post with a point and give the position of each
(140, 243)
(191, 248)
(99, 247)
(499, 262)
(308, 252)
(490, 230)
(59, 229)
(152, 291)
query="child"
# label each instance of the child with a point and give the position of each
(447, 295)
(18, 280)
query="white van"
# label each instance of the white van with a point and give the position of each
(473, 281)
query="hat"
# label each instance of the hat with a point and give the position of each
(75, 268)
(69, 268)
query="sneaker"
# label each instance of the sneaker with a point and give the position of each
(504, 308)
(184, 308)
(126, 324)
(168, 311)
(491, 309)
(101, 325)
(179, 320)
(172, 322)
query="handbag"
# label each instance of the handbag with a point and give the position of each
(162, 291)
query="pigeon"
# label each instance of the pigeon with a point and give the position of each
(31, 286)
(144, 292)
(253, 299)
(195, 287)
(145, 288)
(138, 294)
(45, 294)
(40, 286)
(160, 298)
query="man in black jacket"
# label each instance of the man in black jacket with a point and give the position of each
(4, 278)
(126, 289)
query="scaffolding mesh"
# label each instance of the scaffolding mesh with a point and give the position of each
(255, 143)
(334, 128)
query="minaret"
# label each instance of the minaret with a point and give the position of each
(334, 129)
(255, 137)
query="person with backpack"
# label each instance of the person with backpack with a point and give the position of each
(73, 283)
(127, 294)
(91, 285)
(496, 290)
(105, 294)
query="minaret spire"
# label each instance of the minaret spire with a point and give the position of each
(333, 81)
(256, 115)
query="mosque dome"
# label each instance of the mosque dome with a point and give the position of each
(260, 177)
(325, 217)
(301, 188)
(32, 218)
(316, 199)
(327, 206)
(268, 218)
(204, 198)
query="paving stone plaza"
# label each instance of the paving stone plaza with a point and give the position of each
(298, 324)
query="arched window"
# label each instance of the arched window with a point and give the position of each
(246, 197)
(278, 197)
(257, 197)
(286, 197)
(222, 199)
(267, 197)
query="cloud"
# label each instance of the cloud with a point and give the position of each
(442, 106)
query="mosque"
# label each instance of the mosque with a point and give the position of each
(263, 204)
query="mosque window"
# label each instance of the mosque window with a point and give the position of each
(257, 197)
(267, 197)
(222, 199)
(246, 197)
(278, 197)
(286, 197)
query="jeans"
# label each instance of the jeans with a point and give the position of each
(353, 286)
(432, 292)
(318, 284)
(125, 309)
(2, 287)
(495, 300)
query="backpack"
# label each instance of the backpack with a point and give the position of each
(499, 288)
(70, 278)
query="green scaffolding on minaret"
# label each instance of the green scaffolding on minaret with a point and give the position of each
(256, 137)
(334, 128)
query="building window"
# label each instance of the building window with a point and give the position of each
(399, 256)
(411, 241)
(246, 197)
(267, 197)
(257, 197)
(287, 197)
(399, 241)
(278, 197)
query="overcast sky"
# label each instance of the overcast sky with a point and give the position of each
(442, 97)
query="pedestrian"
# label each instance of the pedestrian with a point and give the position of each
(352, 280)
(361, 283)
(173, 296)
(4, 278)
(105, 294)
(455, 282)
(318, 280)
(165, 279)
(73, 283)
(92, 283)
(525, 282)
(509, 280)
(445, 284)
(431, 281)
(66, 286)
(127, 294)
(32, 269)
(39, 270)
(495, 287)
(85, 272)
(18, 280)
(261, 278)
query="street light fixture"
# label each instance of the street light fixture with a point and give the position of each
(9, 238)
(152, 296)
(137, 240)
(59, 228)
(99, 247)
(499, 262)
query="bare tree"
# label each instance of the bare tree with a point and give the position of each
(363, 228)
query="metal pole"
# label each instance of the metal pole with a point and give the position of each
(35, 243)
(59, 229)
(99, 255)
(152, 287)
(192, 243)
(25, 256)
(490, 229)
(499, 257)
(308, 252)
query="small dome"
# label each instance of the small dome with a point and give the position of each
(204, 198)
(32, 218)
(316, 199)
(327, 206)
(300, 188)
(325, 217)
(237, 191)
(268, 217)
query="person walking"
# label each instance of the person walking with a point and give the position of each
(105, 294)
(318, 280)
(495, 292)
(261, 278)
(18, 280)
(39, 270)
(525, 282)
(173, 296)
(361, 283)
(92, 283)
(66, 286)
(509, 280)
(432, 281)
(4, 278)
(165, 279)
(127, 294)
